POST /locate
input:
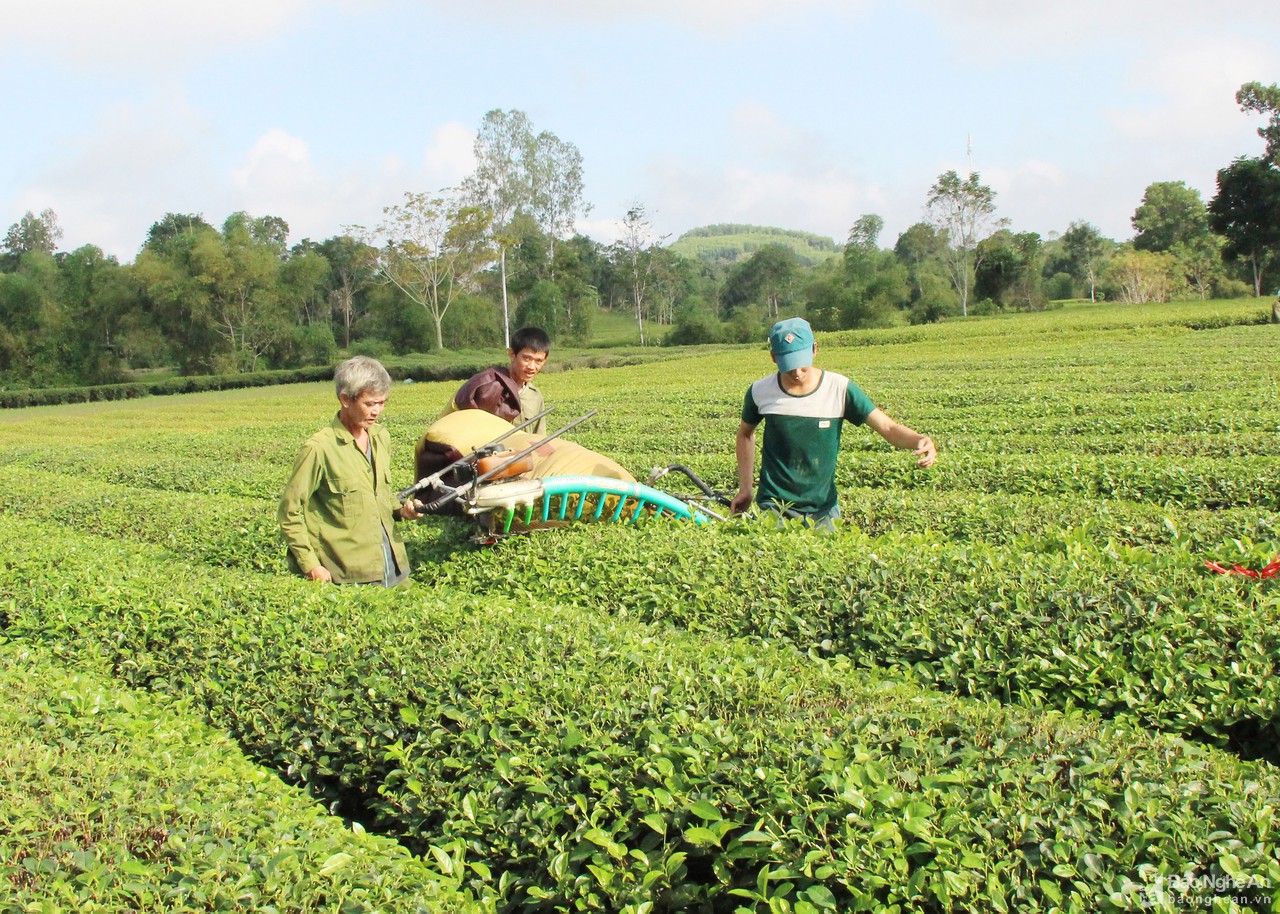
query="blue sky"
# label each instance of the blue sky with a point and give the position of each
(804, 114)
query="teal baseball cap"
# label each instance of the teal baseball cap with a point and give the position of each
(791, 342)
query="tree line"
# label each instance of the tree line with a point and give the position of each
(457, 268)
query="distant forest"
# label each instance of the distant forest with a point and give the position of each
(462, 267)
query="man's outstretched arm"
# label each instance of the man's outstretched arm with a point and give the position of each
(903, 437)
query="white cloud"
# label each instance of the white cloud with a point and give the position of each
(770, 137)
(1031, 176)
(450, 156)
(1039, 196)
(1193, 86)
(708, 16)
(1000, 29)
(278, 176)
(136, 162)
(277, 162)
(825, 201)
(1172, 116)
(781, 174)
(604, 230)
(138, 33)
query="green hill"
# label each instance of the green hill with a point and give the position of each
(727, 243)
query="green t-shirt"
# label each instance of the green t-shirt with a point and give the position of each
(531, 403)
(802, 439)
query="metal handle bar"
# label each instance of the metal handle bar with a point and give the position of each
(659, 472)
(482, 451)
(722, 498)
(455, 493)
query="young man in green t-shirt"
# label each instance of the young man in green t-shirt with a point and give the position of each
(804, 409)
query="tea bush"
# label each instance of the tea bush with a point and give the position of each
(732, 717)
(1041, 623)
(1181, 649)
(563, 759)
(115, 802)
(235, 531)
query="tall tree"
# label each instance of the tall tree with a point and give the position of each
(1009, 272)
(271, 231)
(633, 255)
(99, 299)
(1137, 277)
(865, 233)
(1244, 211)
(1254, 96)
(1170, 213)
(33, 233)
(174, 297)
(919, 245)
(674, 284)
(574, 275)
(527, 260)
(217, 294)
(868, 287)
(501, 182)
(304, 279)
(172, 227)
(556, 188)
(1084, 246)
(520, 173)
(352, 267)
(434, 244)
(767, 278)
(863, 258)
(34, 331)
(1200, 263)
(241, 274)
(964, 211)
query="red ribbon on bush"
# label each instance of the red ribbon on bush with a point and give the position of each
(1270, 571)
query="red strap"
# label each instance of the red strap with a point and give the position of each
(1270, 571)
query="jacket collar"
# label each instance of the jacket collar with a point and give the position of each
(503, 374)
(342, 433)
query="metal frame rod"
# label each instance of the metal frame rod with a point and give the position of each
(455, 493)
(435, 477)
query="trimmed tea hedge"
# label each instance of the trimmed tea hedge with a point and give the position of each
(568, 760)
(451, 366)
(234, 531)
(1042, 618)
(1188, 483)
(119, 803)
(1121, 631)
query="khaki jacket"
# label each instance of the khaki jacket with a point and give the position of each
(334, 508)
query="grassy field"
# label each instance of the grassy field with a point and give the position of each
(613, 328)
(735, 243)
(1005, 684)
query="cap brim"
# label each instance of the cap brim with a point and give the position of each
(801, 358)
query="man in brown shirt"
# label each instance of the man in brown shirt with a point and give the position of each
(507, 391)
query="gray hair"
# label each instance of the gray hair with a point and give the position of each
(360, 373)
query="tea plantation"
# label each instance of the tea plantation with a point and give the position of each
(1005, 684)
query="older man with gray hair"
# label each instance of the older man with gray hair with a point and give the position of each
(338, 509)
